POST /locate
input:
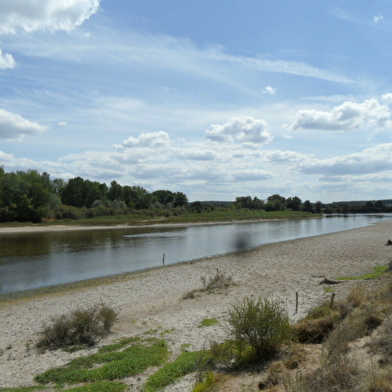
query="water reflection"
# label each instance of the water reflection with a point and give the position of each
(34, 260)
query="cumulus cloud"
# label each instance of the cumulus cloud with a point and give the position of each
(284, 156)
(154, 139)
(372, 160)
(240, 129)
(269, 90)
(348, 116)
(52, 15)
(14, 126)
(6, 60)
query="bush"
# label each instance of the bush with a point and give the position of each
(80, 328)
(261, 324)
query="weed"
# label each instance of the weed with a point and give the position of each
(219, 281)
(258, 323)
(80, 328)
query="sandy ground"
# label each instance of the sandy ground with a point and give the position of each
(152, 300)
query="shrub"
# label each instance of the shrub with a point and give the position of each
(219, 281)
(259, 323)
(83, 327)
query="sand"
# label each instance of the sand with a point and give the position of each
(152, 300)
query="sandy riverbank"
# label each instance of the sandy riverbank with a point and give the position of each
(153, 299)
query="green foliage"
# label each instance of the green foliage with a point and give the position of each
(80, 328)
(208, 322)
(258, 323)
(187, 362)
(111, 364)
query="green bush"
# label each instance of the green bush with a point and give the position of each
(83, 327)
(258, 323)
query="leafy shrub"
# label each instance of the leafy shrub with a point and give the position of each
(258, 323)
(83, 327)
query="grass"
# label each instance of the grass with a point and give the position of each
(124, 359)
(187, 362)
(208, 322)
(378, 271)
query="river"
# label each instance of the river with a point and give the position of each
(41, 259)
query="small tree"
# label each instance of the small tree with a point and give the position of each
(259, 323)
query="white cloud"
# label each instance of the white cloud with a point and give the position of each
(377, 18)
(196, 155)
(62, 123)
(52, 15)
(269, 90)
(6, 60)
(348, 116)
(371, 160)
(244, 129)
(154, 139)
(14, 126)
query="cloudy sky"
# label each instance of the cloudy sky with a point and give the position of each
(215, 99)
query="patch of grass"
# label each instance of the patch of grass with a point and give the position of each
(260, 324)
(109, 364)
(80, 328)
(209, 380)
(187, 362)
(378, 271)
(104, 386)
(208, 322)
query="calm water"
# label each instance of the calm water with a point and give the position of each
(35, 260)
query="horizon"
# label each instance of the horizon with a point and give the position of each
(203, 98)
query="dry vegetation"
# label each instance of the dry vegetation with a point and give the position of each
(346, 347)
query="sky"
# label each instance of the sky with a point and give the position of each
(216, 99)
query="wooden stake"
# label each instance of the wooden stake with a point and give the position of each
(296, 302)
(332, 299)
(163, 260)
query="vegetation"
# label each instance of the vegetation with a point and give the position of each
(259, 323)
(218, 281)
(82, 327)
(129, 358)
(186, 362)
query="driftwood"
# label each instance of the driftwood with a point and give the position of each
(389, 242)
(329, 281)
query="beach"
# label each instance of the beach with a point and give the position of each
(152, 300)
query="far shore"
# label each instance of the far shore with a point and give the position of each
(42, 228)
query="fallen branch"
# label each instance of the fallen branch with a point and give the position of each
(329, 281)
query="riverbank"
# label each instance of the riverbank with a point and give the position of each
(153, 301)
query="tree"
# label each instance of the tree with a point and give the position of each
(115, 191)
(294, 203)
(180, 199)
(308, 207)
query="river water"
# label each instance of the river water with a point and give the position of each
(41, 259)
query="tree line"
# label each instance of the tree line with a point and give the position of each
(33, 196)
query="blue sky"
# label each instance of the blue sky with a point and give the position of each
(215, 99)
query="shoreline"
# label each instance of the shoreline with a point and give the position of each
(152, 300)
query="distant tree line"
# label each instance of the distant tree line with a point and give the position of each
(279, 203)
(33, 196)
